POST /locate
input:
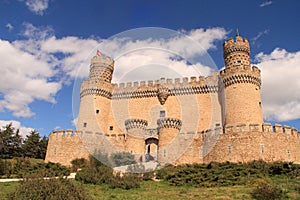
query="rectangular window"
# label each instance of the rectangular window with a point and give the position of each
(111, 128)
(262, 148)
(97, 111)
(84, 124)
(229, 148)
(162, 113)
(288, 153)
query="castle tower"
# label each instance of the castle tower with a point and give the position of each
(242, 84)
(95, 95)
(168, 130)
(135, 137)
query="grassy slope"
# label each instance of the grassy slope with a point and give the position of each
(161, 190)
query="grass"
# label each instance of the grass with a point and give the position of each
(159, 190)
(151, 190)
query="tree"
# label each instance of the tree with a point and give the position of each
(43, 147)
(10, 142)
(31, 146)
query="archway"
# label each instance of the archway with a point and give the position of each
(151, 147)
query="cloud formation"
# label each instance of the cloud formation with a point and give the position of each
(17, 125)
(280, 84)
(266, 3)
(9, 26)
(37, 6)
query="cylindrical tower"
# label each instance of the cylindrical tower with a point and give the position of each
(135, 137)
(95, 96)
(168, 129)
(242, 84)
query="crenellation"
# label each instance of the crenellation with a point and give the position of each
(136, 84)
(150, 83)
(142, 83)
(278, 128)
(193, 79)
(185, 81)
(267, 127)
(287, 130)
(169, 82)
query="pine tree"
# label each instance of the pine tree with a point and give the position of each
(31, 147)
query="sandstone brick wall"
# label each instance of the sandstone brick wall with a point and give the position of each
(65, 146)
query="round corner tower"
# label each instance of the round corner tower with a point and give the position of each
(95, 95)
(242, 84)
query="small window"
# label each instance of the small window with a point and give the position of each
(111, 128)
(262, 148)
(229, 148)
(162, 113)
(239, 61)
(288, 153)
(165, 153)
(97, 111)
(259, 103)
(84, 124)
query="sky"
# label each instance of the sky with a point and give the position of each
(46, 47)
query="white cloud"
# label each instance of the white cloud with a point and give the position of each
(266, 3)
(280, 84)
(17, 125)
(259, 35)
(9, 26)
(37, 6)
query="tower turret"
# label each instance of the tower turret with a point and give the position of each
(242, 84)
(101, 68)
(95, 95)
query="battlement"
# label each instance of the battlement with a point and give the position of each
(103, 60)
(265, 128)
(169, 123)
(253, 70)
(240, 44)
(241, 74)
(170, 83)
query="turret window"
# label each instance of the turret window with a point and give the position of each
(262, 148)
(84, 124)
(111, 128)
(97, 111)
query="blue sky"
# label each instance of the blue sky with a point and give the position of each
(43, 43)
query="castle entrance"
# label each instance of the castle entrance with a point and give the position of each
(151, 146)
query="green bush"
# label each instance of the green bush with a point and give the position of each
(98, 173)
(268, 192)
(20, 167)
(78, 163)
(51, 189)
(125, 181)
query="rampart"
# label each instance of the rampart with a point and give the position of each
(240, 143)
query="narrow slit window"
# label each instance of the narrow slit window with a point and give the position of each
(162, 113)
(84, 124)
(111, 128)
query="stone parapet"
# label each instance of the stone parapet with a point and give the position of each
(169, 123)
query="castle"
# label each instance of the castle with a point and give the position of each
(190, 120)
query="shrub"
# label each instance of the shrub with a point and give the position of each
(51, 189)
(78, 163)
(268, 192)
(125, 181)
